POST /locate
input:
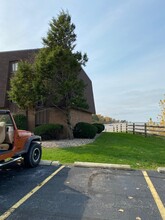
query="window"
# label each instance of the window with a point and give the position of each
(14, 66)
(6, 118)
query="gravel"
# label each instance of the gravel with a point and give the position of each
(67, 143)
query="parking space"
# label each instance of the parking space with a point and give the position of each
(158, 181)
(16, 182)
(80, 193)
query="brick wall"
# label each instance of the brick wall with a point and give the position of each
(80, 116)
(52, 115)
(56, 116)
(6, 58)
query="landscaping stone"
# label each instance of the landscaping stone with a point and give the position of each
(64, 143)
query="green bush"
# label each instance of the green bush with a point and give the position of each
(84, 130)
(21, 121)
(49, 131)
(100, 127)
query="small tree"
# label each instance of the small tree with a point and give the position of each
(58, 66)
(22, 87)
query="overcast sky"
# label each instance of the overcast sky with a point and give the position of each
(124, 40)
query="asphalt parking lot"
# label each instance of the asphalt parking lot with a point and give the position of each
(57, 192)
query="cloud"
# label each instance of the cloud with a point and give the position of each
(135, 105)
(132, 92)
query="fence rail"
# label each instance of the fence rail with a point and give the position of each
(140, 128)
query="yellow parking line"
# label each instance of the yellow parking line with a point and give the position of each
(27, 196)
(155, 195)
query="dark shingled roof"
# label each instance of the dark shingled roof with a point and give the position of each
(5, 73)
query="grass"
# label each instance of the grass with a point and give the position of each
(114, 148)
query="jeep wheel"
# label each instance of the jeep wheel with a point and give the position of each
(33, 156)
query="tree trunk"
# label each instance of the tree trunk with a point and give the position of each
(27, 119)
(69, 125)
(31, 119)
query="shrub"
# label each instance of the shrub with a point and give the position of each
(21, 121)
(84, 130)
(49, 131)
(100, 127)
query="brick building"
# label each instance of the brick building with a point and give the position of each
(8, 66)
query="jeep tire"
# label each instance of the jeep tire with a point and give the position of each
(33, 156)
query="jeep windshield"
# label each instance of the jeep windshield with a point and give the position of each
(6, 118)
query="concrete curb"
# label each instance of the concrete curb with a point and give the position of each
(102, 165)
(49, 163)
(161, 169)
(96, 165)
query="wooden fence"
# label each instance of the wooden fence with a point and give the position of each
(146, 129)
(136, 128)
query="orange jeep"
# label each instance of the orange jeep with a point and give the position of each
(17, 144)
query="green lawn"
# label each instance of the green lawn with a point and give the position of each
(115, 148)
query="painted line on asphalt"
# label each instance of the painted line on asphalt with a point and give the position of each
(155, 195)
(27, 196)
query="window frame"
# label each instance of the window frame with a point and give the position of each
(14, 66)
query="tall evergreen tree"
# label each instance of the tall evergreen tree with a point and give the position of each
(53, 78)
(58, 66)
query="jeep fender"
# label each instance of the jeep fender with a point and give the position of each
(31, 139)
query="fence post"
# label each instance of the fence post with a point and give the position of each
(126, 127)
(145, 129)
(133, 128)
